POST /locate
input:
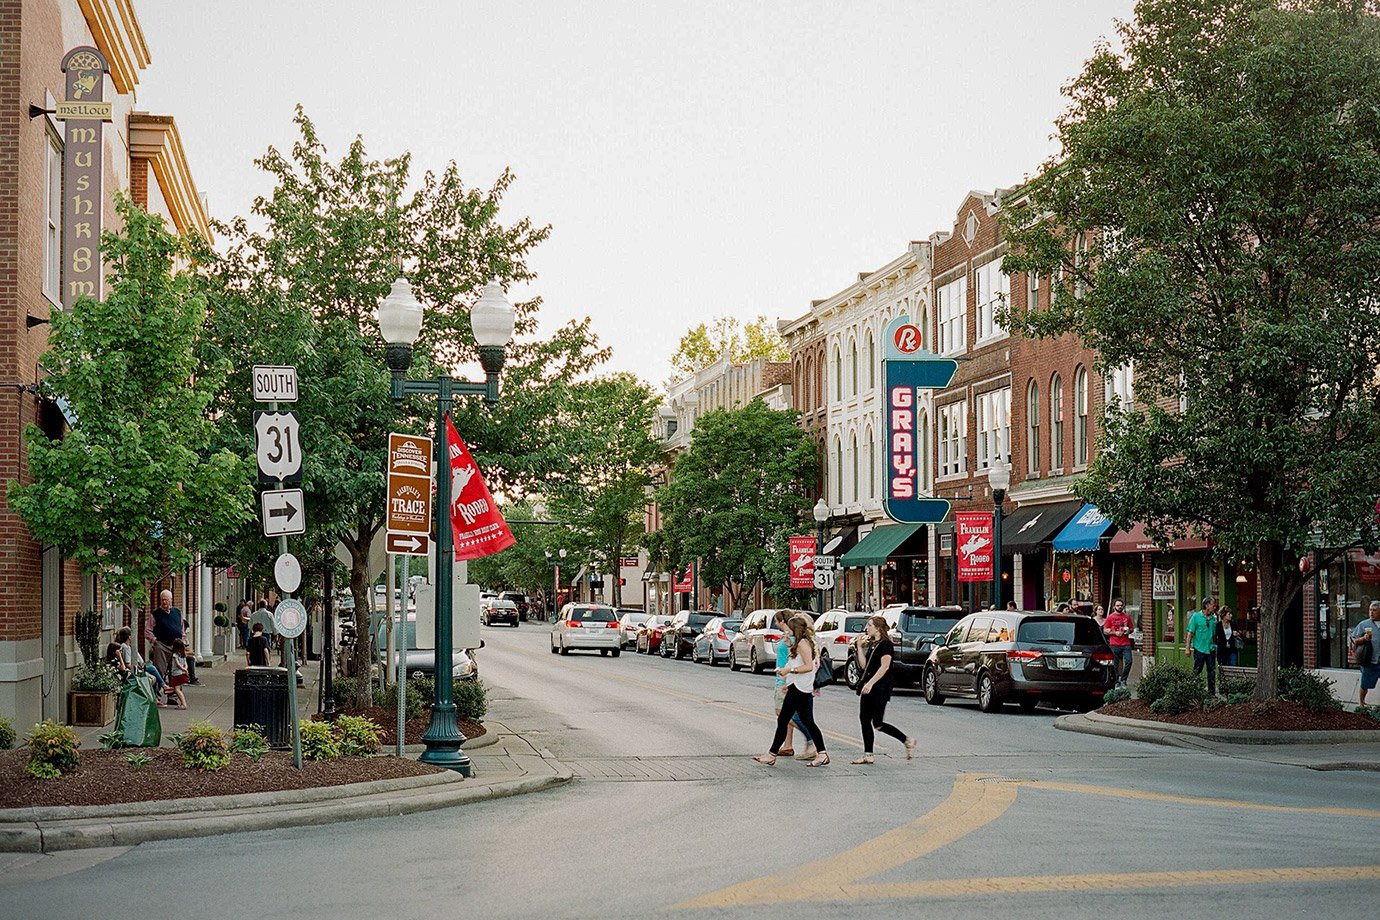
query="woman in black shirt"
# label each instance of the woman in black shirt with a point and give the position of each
(875, 691)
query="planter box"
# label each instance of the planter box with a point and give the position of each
(91, 707)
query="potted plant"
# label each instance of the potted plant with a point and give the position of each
(92, 698)
(220, 642)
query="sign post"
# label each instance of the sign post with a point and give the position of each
(410, 472)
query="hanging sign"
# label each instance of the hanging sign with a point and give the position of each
(973, 536)
(802, 560)
(907, 369)
(683, 584)
(83, 166)
(1163, 587)
(408, 509)
(479, 529)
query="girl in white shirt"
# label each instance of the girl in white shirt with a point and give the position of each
(799, 674)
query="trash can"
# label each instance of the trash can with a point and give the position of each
(261, 698)
(137, 717)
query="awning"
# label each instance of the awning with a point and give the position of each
(874, 548)
(1084, 532)
(1136, 540)
(1029, 527)
(840, 543)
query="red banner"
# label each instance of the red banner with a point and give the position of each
(802, 556)
(478, 529)
(683, 585)
(973, 541)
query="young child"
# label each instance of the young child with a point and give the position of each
(178, 675)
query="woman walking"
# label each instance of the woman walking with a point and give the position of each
(875, 691)
(799, 673)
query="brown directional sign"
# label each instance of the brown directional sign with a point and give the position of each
(408, 544)
(409, 493)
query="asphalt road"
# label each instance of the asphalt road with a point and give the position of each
(999, 815)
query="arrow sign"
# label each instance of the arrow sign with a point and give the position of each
(283, 513)
(409, 544)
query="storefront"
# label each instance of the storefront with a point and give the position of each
(1345, 590)
(847, 585)
(894, 559)
(1026, 533)
(1074, 564)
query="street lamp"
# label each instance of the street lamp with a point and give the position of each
(400, 322)
(999, 478)
(821, 513)
(556, 587)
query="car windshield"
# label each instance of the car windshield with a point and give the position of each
(698, 620)
(593, 614)
(732, 625)
(925, 625)
(1065, 631)
(854, 625)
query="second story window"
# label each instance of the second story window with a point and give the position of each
(953, 439)
(1056, 423)
(1080, 418)
(993, 290)
(853, 363)
(1032, 429)
(52, 238)
(838, 374)
(1032, 290)
(953, 320)
(871, 361)
(993, 428)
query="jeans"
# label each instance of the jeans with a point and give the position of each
(157, 676)
(802, 702)
(1206, 660)
(872, 714)
(1124, 656)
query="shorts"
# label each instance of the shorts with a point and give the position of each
(1370, 676)
(177, 680)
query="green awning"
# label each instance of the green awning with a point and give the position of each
(874, 548)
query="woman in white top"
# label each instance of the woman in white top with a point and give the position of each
(799, 674)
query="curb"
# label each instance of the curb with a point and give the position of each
(1093, 723)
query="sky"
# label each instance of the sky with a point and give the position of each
(694, 160)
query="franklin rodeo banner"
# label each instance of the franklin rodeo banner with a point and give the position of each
(478, 529)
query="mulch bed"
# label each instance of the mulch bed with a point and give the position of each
(388, 718)
(1276, 716)
(105, 777)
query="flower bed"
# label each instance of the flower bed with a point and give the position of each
(387, 718)
(1276, 716)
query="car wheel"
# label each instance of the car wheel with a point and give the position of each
(516, 624)
(732, 661)
(753, 666)
(931, 683)
(987, 698)
(617, 652)
(553, 648)
(852, 675)
(564, 650)
(603, 653)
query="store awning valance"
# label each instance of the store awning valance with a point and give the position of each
(874, 548)
(1029, 527)
(840, 543)
(1136, 540)
(1084, 532)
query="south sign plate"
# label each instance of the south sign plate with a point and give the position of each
(274, 384)
(290, 618)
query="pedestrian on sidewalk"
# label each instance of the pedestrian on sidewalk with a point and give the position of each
(1118, 629)
(242, 620)
(134, 663)
(256, 650)
(875, 691)
(1226, 639)
(179, 674)
(1100, 616)
(800, 692)
(1201, 636)
(1365, 649)
(783, 654)
(167, 628)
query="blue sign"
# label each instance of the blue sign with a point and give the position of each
(907, 368)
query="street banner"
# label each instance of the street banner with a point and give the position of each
(683, 584)
(802, 556)
(478, 529)
(973, 537)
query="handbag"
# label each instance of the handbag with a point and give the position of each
(1361, 654)
(824, 674)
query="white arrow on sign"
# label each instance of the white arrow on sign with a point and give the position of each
(824, 579)
(283, 513)
(276, 444)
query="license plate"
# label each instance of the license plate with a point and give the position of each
(1069, 664)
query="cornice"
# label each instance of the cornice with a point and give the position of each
(155, 138)
(116, 31)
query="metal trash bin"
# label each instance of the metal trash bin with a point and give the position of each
(261, 698)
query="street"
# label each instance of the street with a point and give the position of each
(668, 814)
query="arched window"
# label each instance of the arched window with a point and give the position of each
(1056, 423)
(838, 471)
(838, 373)
(871, 361)
(819, 382)
(853, 363)
(807, 391)
(1080, 417)
(853, 457)
(1032, 429)
(871, 464)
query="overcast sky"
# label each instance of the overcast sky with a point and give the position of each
(694, 159)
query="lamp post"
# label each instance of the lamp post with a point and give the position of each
(821, 514)
(999, 478)
(556, 586)
(400, 322)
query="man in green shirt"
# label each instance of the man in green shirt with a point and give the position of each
(1201, 635)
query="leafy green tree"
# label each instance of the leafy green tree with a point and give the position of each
(739, 487)
(135, 488)
(1225, 164)
(705, 343)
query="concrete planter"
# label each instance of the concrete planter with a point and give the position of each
(91, 707)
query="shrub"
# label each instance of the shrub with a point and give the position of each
(1158, 680)
(203, 747)
(1240, 697)
(1312, 690)
(425, 688)
(318, 742)
(357, 736)
(87, 631)
(7, 734)
(221, 620)
(412, 703)
(1171, 689)
(1116, 695)
(1372, 711)
(343, 689)
(112, 740)
(52, 750)
(1236, 685)
(98, 677)
(250, 741)
(471, 700)
(137, 760)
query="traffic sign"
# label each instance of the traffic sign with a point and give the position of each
(825, 562)
(277, 446)
(290, 618)
(409, 487)
(409, 544)
(283, 512)
(287, 572)
(274, 384)
(824, 579)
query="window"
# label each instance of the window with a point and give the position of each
(924, 477)
(1032, 429)
(853, 458)
(1080, 418)
(853, 363)
(1032, 290)
(871, 465)
(838, 471)
(1080, 257)
(52, 240)
(953, 330)
(993, 289)
(838, 373)
(1120, 388)
(871, 361)
(953, 439)
(994, 427)
(1056, 423)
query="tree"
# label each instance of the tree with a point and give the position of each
(704, 344)
(1225, 165)
(735, 491)
(135, 488)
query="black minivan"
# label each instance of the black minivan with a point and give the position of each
(1023, 657)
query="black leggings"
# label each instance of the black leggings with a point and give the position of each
(871, 712)
(797, 701)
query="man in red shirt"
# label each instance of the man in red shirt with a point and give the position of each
(1118, 628)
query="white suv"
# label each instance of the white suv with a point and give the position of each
(836, 630)
(587, 626)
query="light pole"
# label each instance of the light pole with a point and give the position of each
(400, 322)
(999, 478)
(556, 587)
(821, 514)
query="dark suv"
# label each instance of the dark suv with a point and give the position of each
(679, 639)
(525, 608)
(1023, 657)
(914, 631)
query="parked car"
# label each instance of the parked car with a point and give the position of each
(421, 662)
(836, 629)
(679, 638)
(525, 608)
(586, 626)
(649, 634)
(499, 611)
(1023, 657)
(711, 645)
(913, 631)
(629, 619)
(755, 645)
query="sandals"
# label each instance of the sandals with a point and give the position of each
(864, 759)
(786, 752)
(911, 745)
(821, 761)
(808, 754)
(766, 760)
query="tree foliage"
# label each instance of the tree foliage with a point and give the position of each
(135, 488)
(735, 492)
(1225, 164)
(706, 343)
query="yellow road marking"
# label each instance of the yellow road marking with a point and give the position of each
(971, 804)
(1115, 792)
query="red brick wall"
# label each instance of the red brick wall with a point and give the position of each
(139, 182)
